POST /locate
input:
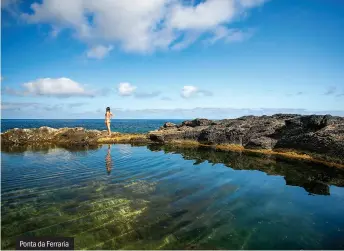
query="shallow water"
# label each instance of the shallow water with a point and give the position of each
(161, 197)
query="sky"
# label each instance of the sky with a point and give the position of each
(63, 59)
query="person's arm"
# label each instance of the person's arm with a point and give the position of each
(111, 114)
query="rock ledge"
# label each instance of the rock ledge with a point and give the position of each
(320, 135)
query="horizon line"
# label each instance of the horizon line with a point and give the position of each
(200, 117)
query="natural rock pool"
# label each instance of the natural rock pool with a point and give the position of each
(167, 197)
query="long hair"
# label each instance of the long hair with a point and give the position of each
(107, 109)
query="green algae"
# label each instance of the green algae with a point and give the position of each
(89, 221)
(141, 187)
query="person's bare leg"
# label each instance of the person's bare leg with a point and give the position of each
(108, 128)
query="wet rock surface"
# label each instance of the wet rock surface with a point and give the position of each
(65, 136)
(318, 134)
(73, 136)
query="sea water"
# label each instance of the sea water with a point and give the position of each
(118, 125)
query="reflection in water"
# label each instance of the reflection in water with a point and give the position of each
(125, 150)
(169, 197)
(45, 148)
(314, 178)
(108, 160)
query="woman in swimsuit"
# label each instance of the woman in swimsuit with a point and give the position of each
(108, 116)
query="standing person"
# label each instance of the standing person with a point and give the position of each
(108, 116)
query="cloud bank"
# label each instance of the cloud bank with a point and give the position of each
(55, 87)
(143, 26)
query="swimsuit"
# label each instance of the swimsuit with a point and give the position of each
(107, 119)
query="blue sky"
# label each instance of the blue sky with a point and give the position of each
(171, 58)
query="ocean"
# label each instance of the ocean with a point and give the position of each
(117, 125)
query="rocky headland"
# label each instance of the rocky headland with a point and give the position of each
(317, 138)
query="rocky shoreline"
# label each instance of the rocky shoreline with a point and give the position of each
(313, 137)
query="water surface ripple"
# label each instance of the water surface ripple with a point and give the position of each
(164, 197)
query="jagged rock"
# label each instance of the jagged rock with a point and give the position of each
(169, 125)
(64, 136)
(319, 134)
(261, 143)
(197, 122)
(29, 135)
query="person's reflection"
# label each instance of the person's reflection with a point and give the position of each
(108, 160)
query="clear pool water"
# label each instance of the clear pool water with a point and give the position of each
(163, 197)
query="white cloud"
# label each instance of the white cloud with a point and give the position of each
(136, 25)
(126, 89)
(60, 13)
(189, 91)
(187, 40)
(59, 87)
(203, 16)
(229, 35)
(99, 51)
